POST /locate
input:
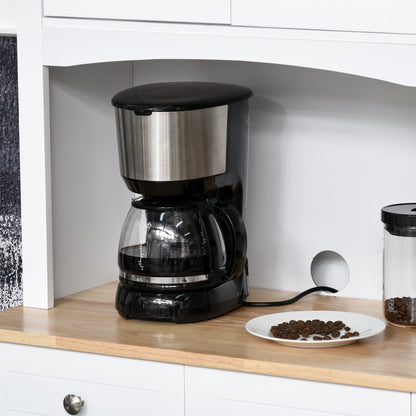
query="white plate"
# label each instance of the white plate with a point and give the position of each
(366, 325)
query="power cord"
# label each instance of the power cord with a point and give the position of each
(295, 298)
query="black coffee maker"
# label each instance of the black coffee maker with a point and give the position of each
(183, 151)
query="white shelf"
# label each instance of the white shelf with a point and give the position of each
(387, 57)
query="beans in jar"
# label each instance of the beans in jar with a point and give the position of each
(401, 310)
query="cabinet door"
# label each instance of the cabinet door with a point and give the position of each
(346, 15)
(35, 381)
(225, 393)
(212, 11)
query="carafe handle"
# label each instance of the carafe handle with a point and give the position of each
(235, 233)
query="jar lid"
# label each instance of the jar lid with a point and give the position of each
(399, 215)
(179, 96)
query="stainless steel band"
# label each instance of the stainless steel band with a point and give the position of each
(164, 280)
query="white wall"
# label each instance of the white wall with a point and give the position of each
(327, 151)
(89, 200)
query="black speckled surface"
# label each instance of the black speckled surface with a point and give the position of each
(11, 293)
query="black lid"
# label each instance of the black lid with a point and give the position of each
(399, 215)
(178, 96)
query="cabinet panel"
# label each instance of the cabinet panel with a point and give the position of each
(36, 380)
(44, 396)
(225, 393)
(213, 11)
(384, 16)
(8, 16)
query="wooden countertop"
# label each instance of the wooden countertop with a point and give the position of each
(88, 322)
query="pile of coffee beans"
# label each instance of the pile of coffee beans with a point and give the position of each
(401, 311)
(315, 330)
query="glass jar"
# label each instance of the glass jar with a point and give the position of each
(399, 264)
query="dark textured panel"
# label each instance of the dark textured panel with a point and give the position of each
(10, 225)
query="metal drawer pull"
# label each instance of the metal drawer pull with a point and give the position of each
(73, 404)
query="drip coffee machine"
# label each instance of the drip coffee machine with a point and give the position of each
(183, 150)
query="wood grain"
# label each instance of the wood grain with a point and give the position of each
(88, 322)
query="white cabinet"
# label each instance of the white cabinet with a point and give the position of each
(382, 16)
(72, 33)
(212, 392)
(35, 381)
(213, 11)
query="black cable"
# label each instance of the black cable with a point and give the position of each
(294, 299)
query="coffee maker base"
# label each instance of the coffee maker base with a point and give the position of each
(186, 307)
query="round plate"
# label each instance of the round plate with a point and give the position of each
(366, 325)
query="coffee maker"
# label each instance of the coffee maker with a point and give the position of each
(183, 151)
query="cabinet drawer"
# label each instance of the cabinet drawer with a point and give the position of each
(413, 404)
(384, 16)
(44, 396)
(226, 393)
(213, 11)
(35, 381)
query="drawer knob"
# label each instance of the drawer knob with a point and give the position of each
(73, 404)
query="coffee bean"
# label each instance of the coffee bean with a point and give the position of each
(315, 329)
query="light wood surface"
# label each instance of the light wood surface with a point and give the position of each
(88, 322)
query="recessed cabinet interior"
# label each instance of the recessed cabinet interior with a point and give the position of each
(213, 11)
(382, 16)
(313, 137)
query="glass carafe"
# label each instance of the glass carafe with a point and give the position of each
(173, 243)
